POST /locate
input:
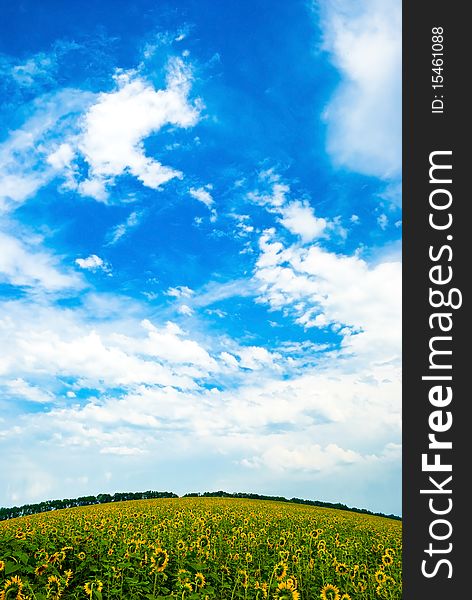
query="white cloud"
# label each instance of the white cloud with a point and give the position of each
(169, 343)
(277, 194)
(115, 126)
(364, 116)
(184, 309)
(320, 289)
(96, 346)
(31, 157)
(38, 67)
(119, 231)
(181, 291)
(61, 157)
(22, 265)
(270, 412)
(23, 390)
(202, 195)
(229, 360)
(309, 457)
(382, 220)
(92, 263)
(299, 218)
(122, 450)
(256, 357)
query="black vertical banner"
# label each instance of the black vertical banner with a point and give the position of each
(436, 318)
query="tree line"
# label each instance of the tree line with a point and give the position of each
(31, 509)
(337, 505)
(47, 505)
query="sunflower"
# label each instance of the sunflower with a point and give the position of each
(387, 560)
(54, 587)
(283, 555)
(159, 560)
(342, 569)
(199, 580)
(183, 580)
(345, 597)
(285, 591)
(384, 589)
(93, 585)
(2, 565)
(183, 575)
(203, 542)
(15, 584)
(68, 575)
(330, 592)
(244, 578)
(362, 586)
(280, 570)
(54, 558)
(380, 576)
(81, 555)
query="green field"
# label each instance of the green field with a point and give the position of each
(206, 548)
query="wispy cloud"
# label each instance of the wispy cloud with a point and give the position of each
(297, 216)
(119, 231)
(203, 195)
(22, 264)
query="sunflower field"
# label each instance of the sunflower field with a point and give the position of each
(200, 548)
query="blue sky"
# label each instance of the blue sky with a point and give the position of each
(200, 269)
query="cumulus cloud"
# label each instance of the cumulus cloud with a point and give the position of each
(364, 115)
(181, 291)
(256, 357)
(324, 289)
(61, 157)
(296, 216)
(92, 263)
(64, 344)
(159, 388)
(299, 219)
(116, 125)
(105, 130)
